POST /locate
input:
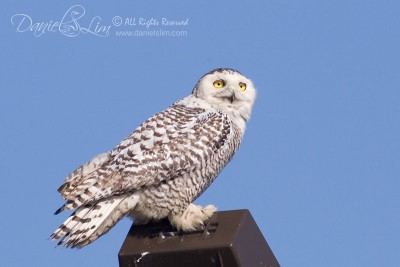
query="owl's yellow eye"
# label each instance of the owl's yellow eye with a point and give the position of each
(219, 84)
(242, 86)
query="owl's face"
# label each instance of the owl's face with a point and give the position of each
(227, 90)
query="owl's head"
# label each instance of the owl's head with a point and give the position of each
(227, 90)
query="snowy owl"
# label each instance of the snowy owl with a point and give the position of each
(163, 166)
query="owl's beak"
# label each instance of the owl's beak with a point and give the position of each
(232, 97)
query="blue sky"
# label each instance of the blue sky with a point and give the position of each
(319, 164)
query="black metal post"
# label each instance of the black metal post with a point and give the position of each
(230, 239)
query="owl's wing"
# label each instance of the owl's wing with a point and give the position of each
(169, 144)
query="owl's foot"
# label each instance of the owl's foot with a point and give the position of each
(192, 218)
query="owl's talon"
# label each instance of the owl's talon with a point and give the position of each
(192, 218)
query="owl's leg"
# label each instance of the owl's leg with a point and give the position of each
(192, 218)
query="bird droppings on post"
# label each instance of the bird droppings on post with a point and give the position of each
(141, 257)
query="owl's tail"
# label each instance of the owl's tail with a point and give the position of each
(92, 220)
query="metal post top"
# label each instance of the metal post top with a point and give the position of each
(229, 239)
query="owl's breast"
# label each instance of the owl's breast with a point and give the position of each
(176, 193)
